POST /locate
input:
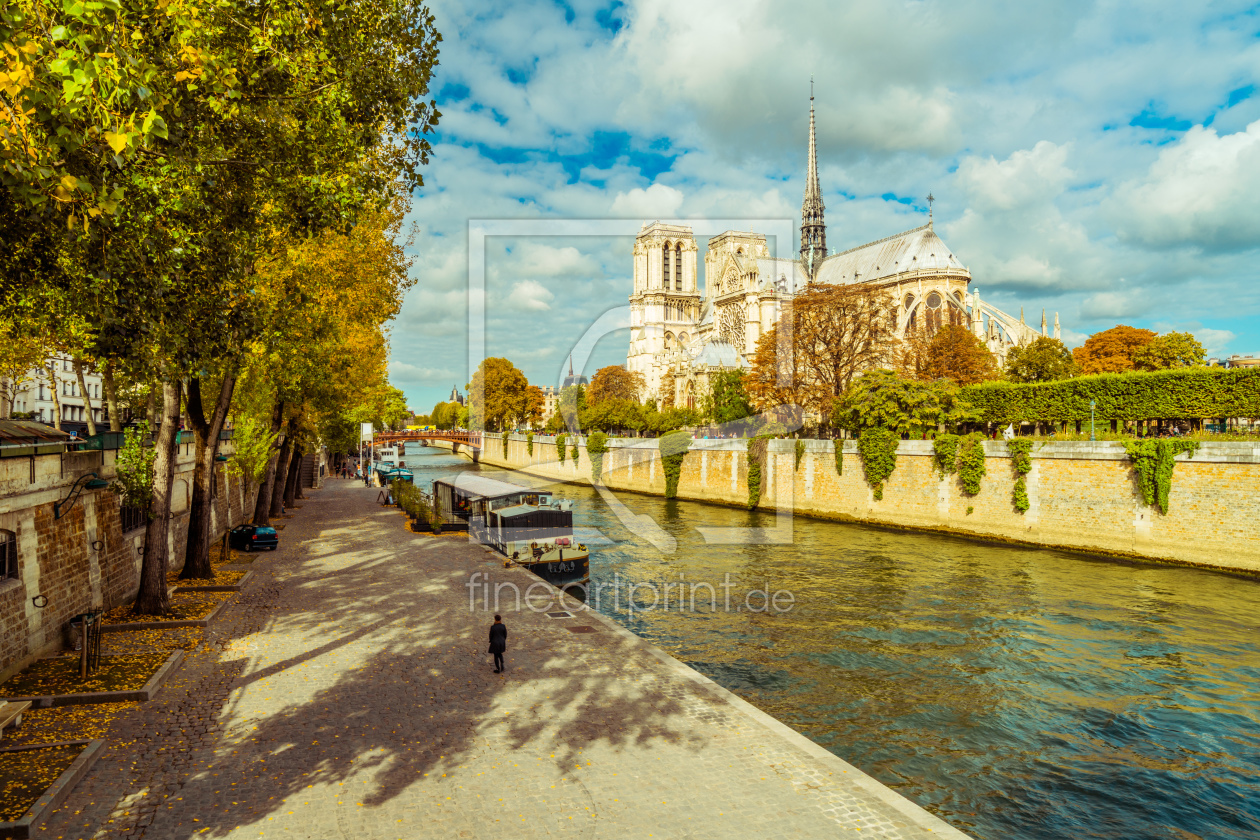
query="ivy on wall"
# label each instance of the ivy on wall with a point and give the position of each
(1164, 394)
(756, 460)
(971, 462)
(1153, 462)
(505, 445)
(837, 447)
(573, 453)
(877, 447)
(1021, 463)
(673, 449)
(560, 439)
(800, 453)
(529, 443)
(945, 455)
(596, 446)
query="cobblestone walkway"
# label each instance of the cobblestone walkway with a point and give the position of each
(346, 693)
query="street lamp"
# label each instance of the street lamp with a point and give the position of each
(76, 489)
(1091, 419)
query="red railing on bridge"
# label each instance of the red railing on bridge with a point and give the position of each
(471, 439)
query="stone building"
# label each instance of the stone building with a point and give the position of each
(681, 336)
(43, 391)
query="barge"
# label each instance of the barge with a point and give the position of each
(532, 528)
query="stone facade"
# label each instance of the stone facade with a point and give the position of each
(1083, 496)
(84, 560)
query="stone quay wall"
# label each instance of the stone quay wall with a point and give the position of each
(84, 560)
(1082, 496)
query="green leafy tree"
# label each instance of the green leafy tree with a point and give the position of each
(728, 400)
(882, 399)
(1171, 350)
(1043, 359)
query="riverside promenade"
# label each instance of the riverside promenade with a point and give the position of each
(347, 693)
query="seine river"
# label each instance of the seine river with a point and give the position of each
(1016, 693)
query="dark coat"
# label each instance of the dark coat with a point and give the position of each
(498, 638)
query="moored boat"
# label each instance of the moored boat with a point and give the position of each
(530, 527)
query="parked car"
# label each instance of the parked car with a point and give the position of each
(252, 537)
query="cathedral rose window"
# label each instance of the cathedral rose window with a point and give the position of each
(934, 301)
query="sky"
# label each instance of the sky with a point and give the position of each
(1096, 159)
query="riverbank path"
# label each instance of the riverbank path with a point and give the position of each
(347, 693)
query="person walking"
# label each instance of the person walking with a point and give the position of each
(498, 642)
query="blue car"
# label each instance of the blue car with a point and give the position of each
(253, 538)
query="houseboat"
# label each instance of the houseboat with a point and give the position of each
(530, 527)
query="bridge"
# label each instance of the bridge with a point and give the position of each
(468, 439)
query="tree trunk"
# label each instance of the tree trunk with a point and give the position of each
(151, 410)
(56, 394)
(282, 468)
(295, 478)
(262, 505)
(111, 397)
(206, 432)
(154, 598)
(87, 397)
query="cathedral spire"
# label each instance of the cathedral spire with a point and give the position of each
(813, 228)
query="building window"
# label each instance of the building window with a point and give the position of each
(132, 517)
(678, 268)
(8, 555)
(665, 267)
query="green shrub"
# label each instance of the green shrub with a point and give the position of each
(596, 446)
(945, 455)
(1164, 394)
(560, 439)
(837, 447)
(133, 468)
(877, 447)
(505, 445)
(673, 449)
(756, 460)
(800, 453)
(529, 443)
(1021, 463)
(971, 462)
(573, 453)
(1153, 462)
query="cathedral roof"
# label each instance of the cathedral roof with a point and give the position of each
(914, 250)
(720, 354)
(773, 273)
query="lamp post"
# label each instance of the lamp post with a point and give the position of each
(1091, 419)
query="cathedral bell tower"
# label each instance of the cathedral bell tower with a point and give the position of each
(813, 228)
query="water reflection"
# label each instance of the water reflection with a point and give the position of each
(1016, 693)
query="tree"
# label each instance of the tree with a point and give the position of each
(21, 354)
(1111, 351)
(956, 354)
(534, 403)
(727, 400)
(1171, 350)
(496, 394)
(614, 383)
(1043, 359)
(882, 399)
(828, 336)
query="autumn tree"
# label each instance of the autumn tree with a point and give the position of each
(1111, 351)
(614, 383)
(956, 354)
(532, 406)
(825, 338)
(1171, 350)
(497, 394)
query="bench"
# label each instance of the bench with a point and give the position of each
(11, 714)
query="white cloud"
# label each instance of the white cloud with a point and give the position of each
(1215, 342)
(530, 296)
(1202, 191)
(656, 202)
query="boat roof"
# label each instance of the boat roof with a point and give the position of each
(476, 486)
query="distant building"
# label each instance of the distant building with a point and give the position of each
(456, 396)
(38, 395)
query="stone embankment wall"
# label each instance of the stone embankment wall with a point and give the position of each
(84, 560)
(1083, 496)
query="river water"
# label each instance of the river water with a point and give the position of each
(1016, 693)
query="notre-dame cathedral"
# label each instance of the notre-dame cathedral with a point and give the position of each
(680, 336)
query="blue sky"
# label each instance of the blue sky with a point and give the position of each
(1101, 160)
